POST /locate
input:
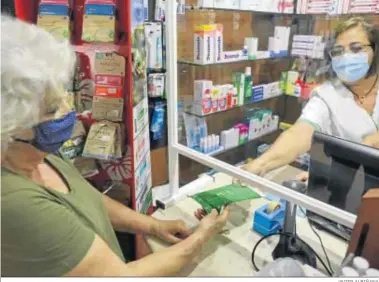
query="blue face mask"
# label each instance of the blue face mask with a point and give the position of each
(49, 136)
(351, 67)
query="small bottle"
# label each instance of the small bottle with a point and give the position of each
(360, 265)
(202, 147)
(371, 272)
(349, 272)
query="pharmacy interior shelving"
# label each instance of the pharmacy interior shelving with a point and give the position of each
(239, 24)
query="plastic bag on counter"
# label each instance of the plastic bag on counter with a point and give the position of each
(283, 267)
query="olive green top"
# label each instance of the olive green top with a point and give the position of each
(45, 232)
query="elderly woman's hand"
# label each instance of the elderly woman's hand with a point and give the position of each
(170, 231)
(372, 140)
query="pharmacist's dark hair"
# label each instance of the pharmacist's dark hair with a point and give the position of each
(372, 34)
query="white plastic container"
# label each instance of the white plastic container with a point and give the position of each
(349, 272)
(361, 265)
(371, 272)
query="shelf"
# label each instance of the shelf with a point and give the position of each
(207, 9)
(191, 62)
(196, 9)
(236, 107)
(215, 153)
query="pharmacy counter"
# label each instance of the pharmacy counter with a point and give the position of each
(229, 253)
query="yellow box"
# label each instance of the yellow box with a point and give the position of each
(98, 28)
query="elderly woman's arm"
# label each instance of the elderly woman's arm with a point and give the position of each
(127, 220)
(372, 140)
(100, 261)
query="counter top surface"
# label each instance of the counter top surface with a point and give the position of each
(229, 253)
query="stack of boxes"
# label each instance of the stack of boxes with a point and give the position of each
(367, 6)
(211, 98)
(309, 46)
(278, 45)
(336, 7)
(274, 6)
(208, 43)
(265, 91)
(261, 122)
(258, 122)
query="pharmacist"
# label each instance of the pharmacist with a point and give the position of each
(53, 222)
(346, 106)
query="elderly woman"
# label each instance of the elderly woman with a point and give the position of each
(346, 106)
(53, 222)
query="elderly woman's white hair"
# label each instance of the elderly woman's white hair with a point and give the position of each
(35, 70)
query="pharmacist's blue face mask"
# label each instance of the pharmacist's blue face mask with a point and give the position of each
(351, 67)
(49, 136)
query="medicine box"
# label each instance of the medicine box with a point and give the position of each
(204, 44)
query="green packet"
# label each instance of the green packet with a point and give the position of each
(219, 197)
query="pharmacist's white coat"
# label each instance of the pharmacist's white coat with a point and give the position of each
(332, 110)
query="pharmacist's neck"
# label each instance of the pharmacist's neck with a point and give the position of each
(364, 85)
(22, 158)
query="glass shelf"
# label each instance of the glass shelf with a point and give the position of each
(190, 8)
(236, 107)
(218, 152)
(198, 8)
(191, 62)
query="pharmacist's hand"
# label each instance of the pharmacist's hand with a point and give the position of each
(303, 177)
(212, 223)
(254, 167)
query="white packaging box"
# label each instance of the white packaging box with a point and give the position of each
(302, 45)
(229, 138)
(299, 52)
(218, 42)
(204, 44)
(272, 90)
(206, 3)
(233, 56)
(283, 33)
(252, 46)
(263, 54)
(227, 4)
(201, 87)
(250, 5)
(274, 44)
(288, 6)
(255, 128)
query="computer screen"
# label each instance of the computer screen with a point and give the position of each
(341, 172)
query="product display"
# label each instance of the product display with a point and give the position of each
(308, 46)
(274, 6)
(154, 44)
(99, 21)
(54, 16)
(337, 7)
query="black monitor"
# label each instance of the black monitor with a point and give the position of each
(340, 173)
(8, 7)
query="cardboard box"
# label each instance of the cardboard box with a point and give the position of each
(367, 223)
(159, 166)
(204, 44)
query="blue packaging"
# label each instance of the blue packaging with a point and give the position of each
(157, 123)
(100, 10)
(256, 97)
(280, 54)
(55, 10)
